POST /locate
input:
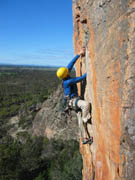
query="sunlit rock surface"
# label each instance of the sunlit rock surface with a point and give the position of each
(107, 29)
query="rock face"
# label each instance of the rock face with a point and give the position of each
(107, 29)
(52, 122)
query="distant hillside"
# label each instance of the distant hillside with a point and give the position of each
(2, 65)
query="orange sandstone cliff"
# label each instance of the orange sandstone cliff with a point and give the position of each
(107, 29)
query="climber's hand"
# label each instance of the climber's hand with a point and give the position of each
(82, 52)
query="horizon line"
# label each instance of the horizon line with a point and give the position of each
(9, 64)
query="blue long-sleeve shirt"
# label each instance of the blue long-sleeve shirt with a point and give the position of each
(69, 84)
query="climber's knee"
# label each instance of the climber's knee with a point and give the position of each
(85, 120)
(83, 104)
(87, 105)
(85, 124)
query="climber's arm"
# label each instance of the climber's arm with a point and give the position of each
(72, 62)
(77, 79)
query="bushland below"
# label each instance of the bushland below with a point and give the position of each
(22, 91)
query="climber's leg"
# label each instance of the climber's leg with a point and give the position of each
(80, 123)
(86, 140)
(86, 130)
(83, 117)
(85, 107)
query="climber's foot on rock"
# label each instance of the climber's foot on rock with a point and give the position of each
(87, 141)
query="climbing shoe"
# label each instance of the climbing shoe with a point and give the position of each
(87, 141)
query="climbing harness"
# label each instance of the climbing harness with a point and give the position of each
(68, 105)
(76, 106)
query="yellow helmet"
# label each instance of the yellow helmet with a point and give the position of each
(62, 72)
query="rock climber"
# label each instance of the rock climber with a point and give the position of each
(71, 94)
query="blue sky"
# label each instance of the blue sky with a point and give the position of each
(38, 32)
